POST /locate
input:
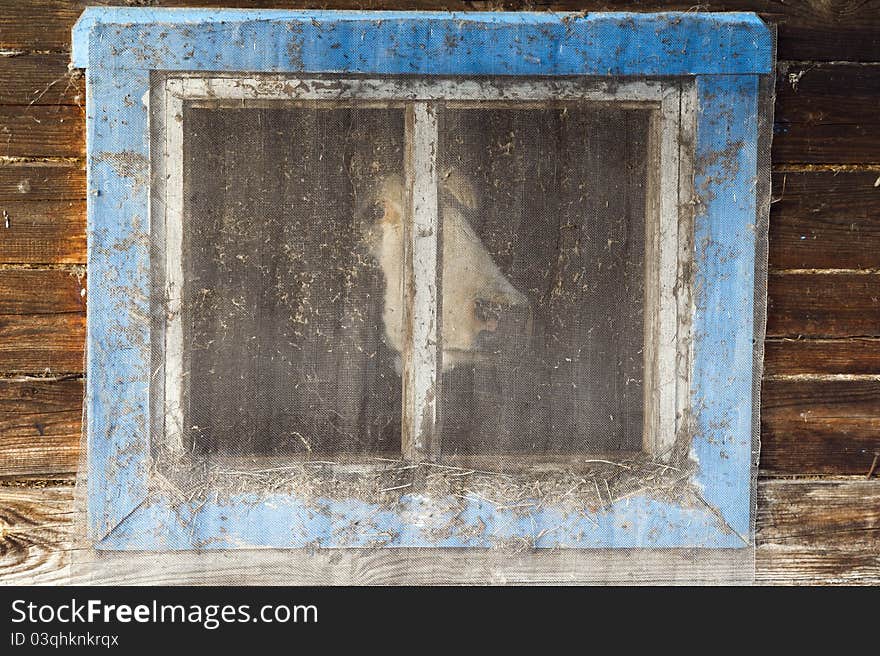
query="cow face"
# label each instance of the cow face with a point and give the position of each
(475, 294)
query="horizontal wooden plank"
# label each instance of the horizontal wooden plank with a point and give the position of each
(815, 513)
(808, 532)
(818, 532)
(842, 30)
(826, 143)
(36, 534)
(42, 180)
(819, 426)
(43, 232)
(825, 220)
(776, 565)
(42, 321)
(42, 344)
(826, 357)
(826, 113)
(823, 305)
(815, 93)
(41, 292)
(41, 131)
(808, 30)
(40, 426)
(42, 79)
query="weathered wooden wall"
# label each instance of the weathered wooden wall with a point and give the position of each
(818, 516)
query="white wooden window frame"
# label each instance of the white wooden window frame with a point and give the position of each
(668, 224)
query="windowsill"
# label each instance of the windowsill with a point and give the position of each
(582, 482)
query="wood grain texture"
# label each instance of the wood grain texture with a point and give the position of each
(43, 232)
(808, 30)
(42, 344)
(41, 292)
(40, 426)
(40, 79)
(42, 321)
(825, 220)
(818, 532)
(35, 534)
(809, 532)
(824, 30)
(826, 143)
(43, 180)
(820, 513)
(823, 305)
(815, 93)
(822, 357)
(826, 113)
(819, 426)
(41, 131)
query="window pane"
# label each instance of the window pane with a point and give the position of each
(543, 231)
(285, 347)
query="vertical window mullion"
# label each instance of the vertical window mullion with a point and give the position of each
(664, 388)
(422, 353)
(174, 274)
(667, 337)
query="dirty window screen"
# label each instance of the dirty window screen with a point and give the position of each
(439, 278)
(284, 346)
(543, 231)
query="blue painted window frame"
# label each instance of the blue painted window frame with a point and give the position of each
(724, 54)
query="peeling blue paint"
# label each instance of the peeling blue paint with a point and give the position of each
(432, 43)
(117, 335)
(725, 239)
(119, 47)
(248, 521)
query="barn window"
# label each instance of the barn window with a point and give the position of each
(436, 270)
(370, 280)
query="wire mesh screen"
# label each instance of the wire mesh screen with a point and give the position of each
(543, 229)
(293, 256)
(284, 339)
